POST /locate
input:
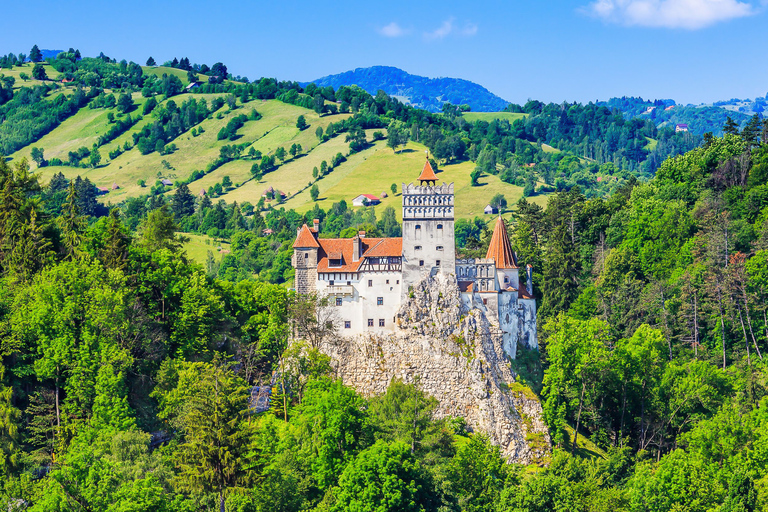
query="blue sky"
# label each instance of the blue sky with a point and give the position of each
(689, 50)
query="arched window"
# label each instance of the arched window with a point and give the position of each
(439, 226)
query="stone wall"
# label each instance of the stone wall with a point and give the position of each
(457, 357)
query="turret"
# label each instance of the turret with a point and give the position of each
(305, 250)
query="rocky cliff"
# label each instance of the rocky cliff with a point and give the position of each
(457, 356)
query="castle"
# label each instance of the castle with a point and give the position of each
(369, 278)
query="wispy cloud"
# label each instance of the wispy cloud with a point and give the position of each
(449, 27)
(393, 30)
(686, 14)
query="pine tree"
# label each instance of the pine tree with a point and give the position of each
(35, 55)
(561, 272)
(115, 250)
(183, 202)
(730, 126)
(71, 224)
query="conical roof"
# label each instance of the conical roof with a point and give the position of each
(427, 174)
(305, 239)
(500, 249)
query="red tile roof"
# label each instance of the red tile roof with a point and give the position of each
(500, 249)
(305, 238)
(370, 196)
(427, 174)
(341, 249)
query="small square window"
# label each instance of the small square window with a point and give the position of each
(370, 282)
(379, 301)
(397, 282)
(349, 283)
(437, 263)
(417, 248)
(330, 283)
(387, 281)
(421, 263)
(381, 322)
(370, 322)
(485, 301)
(339, 301)
(347, 324)
(439, 247)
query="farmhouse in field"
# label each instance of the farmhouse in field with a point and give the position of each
(365, 200)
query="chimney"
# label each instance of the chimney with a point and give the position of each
(356, 248)
(529, 283)
(316, 224)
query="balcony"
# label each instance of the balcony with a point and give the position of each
(340, 289)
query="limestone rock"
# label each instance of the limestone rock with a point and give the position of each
(457, 355)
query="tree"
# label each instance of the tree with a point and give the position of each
(24, 76)
(314, 192)
(393, 137)
(219, 70)
(731, 127)
(183, 202)
(475, 176)
(95, 158)
(319, 133)
(226, 182)
(124, 103)
(151, 62)
(215, 454)
(38, 72)
(115, 251)
(477, 474)
(301, 123)
(35, 55)
(38, 157)
(499, 202)
(158, 231)
(561, 270)
(315, 172)
(384, 478)
(280, 153)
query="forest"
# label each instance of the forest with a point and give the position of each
(128, 370)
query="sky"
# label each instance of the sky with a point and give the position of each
(692, 51)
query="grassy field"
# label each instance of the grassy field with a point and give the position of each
(376, 169)
(27, 68)
(490, 116)
(197, 248)
(652, 143)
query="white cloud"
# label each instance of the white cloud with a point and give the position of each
(392, 30)
(687, 14)
(449, 27)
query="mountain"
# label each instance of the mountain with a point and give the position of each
(419, 91)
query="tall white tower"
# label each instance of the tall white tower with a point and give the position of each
(428, 238)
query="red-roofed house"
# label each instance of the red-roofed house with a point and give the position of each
(365, 200)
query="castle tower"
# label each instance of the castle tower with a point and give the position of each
(428, 238)
(500, 250)
(305, 250)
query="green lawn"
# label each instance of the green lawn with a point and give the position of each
(27, 68)
(197, 247)
(490, 116)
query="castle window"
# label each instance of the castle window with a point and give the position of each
(397, 282)
(417, 248)
(387, 281)
(370, 282)
(330, 283)
(381, 322)
(485, 302)
(347, 324)
(421, 263)
(339, 301)
(379, 301)
(370, 322)
(306, 255)
(437, 263)
(439, 247)
(506, 279)
(439, 226)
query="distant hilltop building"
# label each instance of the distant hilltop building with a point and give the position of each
(370, 278)
(681, 128)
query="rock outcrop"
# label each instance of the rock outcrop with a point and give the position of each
(457, 356)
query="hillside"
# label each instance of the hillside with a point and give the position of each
(419, 91)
